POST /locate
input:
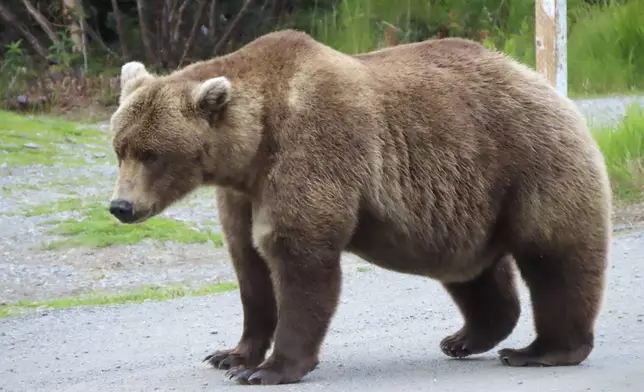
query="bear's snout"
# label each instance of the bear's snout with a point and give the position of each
(123, 210)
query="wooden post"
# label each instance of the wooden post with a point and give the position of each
(550, 42)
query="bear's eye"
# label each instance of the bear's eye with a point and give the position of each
(149, 157)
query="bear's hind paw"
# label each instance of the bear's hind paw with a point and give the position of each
(540, 356)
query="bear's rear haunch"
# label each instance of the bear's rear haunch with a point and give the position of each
(438, 158)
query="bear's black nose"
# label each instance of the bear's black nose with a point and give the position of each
(122, 210)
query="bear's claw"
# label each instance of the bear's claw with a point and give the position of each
(259, 377)
(224, 359)
(455, 346)
(463, 344)
(240, 373)
(270, 374)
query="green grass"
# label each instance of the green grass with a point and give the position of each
(69, 187)
(605, 42)
(50, 135)
(151, 293)
(58, 206)
(98, 229)
(355, 26)
(606, 49)
(623, 150)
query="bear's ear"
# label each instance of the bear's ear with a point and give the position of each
(133, 75)
(212, 94)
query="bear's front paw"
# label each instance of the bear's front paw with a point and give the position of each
(226, 359)
(249, 352)
(241, 373)
(273, 372)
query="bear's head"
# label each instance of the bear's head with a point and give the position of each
(171, 135)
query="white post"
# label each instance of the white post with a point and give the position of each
(550, 42)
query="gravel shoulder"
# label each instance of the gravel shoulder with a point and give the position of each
(30, 272)
(385, 337)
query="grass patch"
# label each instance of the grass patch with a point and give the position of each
(606, 35)
(30, 140)
(98, 229)
(69, 187)
(623, 150)
(606, 48)
(58, 206)
(5, 311)
(147, 293)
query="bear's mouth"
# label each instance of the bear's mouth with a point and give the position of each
(142, 216)
(126, 213)
(140, 219)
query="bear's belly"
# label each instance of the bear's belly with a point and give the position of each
(382, 245)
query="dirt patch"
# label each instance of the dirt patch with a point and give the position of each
(629, 217)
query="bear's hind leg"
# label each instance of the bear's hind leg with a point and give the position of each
(490, 306)
(566, 286)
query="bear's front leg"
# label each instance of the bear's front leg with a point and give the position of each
(308, 280)
(258, 304)
(301, 238)
(257, 296)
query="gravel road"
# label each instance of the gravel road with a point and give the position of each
(384, 337)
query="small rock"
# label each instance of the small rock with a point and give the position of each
(214, 332)
(33, 146)
(99, 155)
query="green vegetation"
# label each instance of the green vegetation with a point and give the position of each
(59, 206)
(45, 140)
(6, 312)
(605, 42)
(606, 50)
(151, 293)
(97, 228)
(605, 45)
(623, 150)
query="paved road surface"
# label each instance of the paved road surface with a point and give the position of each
(384, 338)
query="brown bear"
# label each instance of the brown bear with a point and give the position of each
(439, 158)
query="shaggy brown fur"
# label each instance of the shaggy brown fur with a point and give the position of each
(437, 158)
